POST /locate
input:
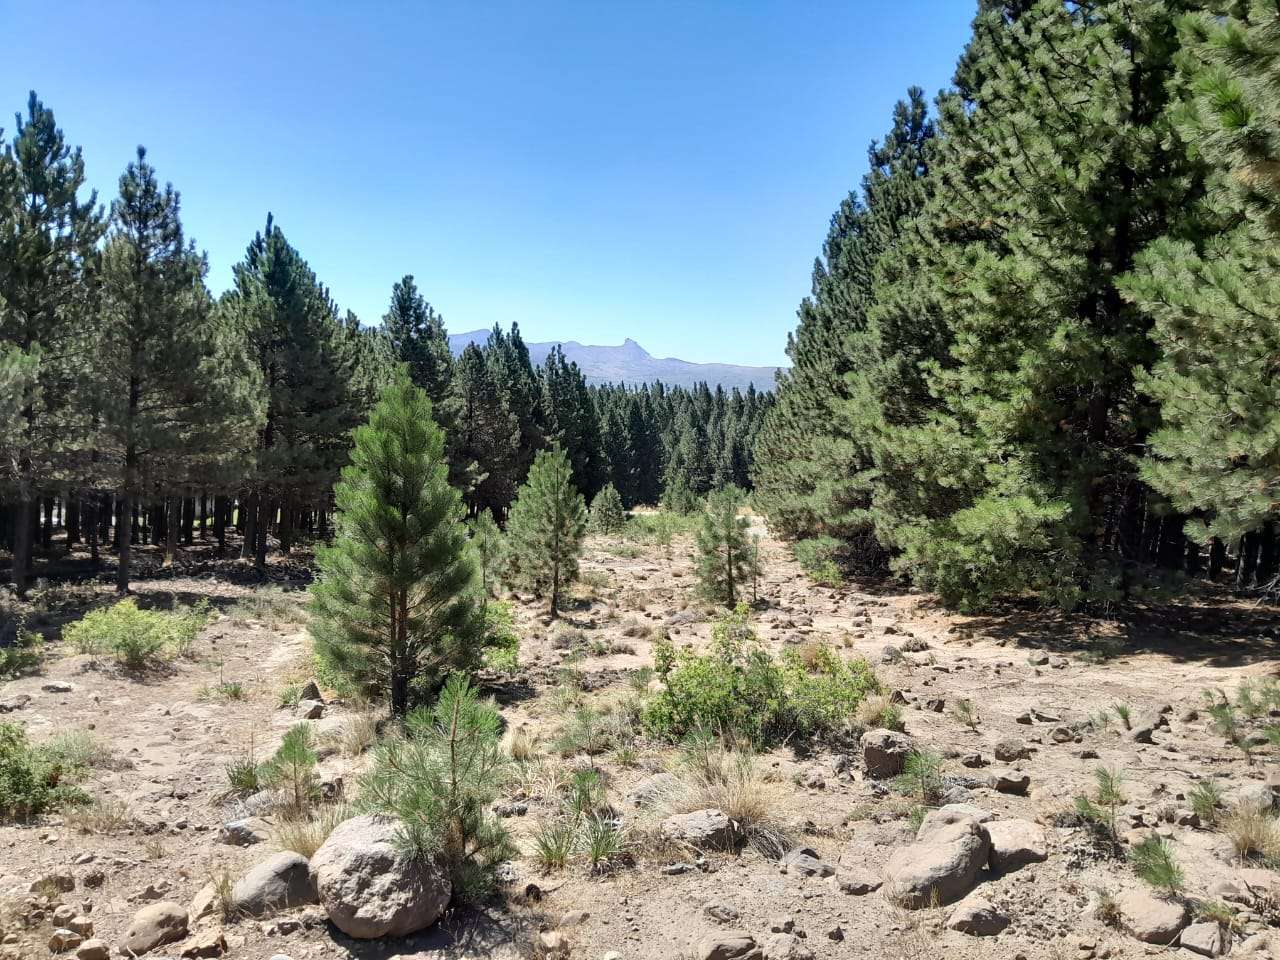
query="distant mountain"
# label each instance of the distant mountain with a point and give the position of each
(632, 364)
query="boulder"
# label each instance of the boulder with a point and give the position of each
(943, 867)
(805, 862)
(1011, 751)
(370, 888)
(310, 709)
(857, 882)
(245, 832)
(204, 943)
(63, 940)
(786, 946)
(977, 917)
(154, 926)
(945, 816)
(732, 945)
(310, 691)
(1205, 939)
(1016, 843)
(280, 882)
(1009, 781)
(1144, 727)
(884, 752)
(1152, 919)
(93, 950)
(702, 828)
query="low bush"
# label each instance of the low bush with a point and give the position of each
(1206, 801)
(270, 606)
(137, 638)
(878, 711)
(34, 780)
(817, 557)
(1102, 809)
(1253, 832)
(921, 777)
(741, 692)
(292, 770)
(305, 835)
(1153, 861)
(502, 643)
(20, 652)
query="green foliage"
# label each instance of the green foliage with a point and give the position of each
(1154, 862)
(607, 513)
(502, 643)
(292, 769)
(1206, 801)
(396, 607)
(1102, 809)
(546, 527)
(22, 654)
(491, 550)
(921, 776)
(817, 557)
(739, 691)
(723, 549)
(137, 638)
(35, 780)
(440, 780)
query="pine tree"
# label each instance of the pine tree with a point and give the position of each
(724, 554)
(47, 240)
(488, 431)
(1217, 305)
(490, 547)
(171, 385)
(607, 513)
(545, 529)
(397, 604)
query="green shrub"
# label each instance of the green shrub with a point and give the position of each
(817, 557)
(292, 768)
(137, 638)
(1102, 809)
(1206, 801)
(921, 777)
(607, 512)
(34, 780)
(440, 780)
(502, 643)
(739, 691)
(20, 652)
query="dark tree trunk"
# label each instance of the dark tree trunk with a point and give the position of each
(125, 531)
(220, 509)
(24, 521)
(73, 518)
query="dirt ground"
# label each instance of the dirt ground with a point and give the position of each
(1034, 677)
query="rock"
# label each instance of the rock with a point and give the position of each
(944, 866)
(935, 704)
(1152, 919)
(1259, 796)
(806, 863)
(1257, 943)
(281, 882)
(369, 888)
(972, 760)
(977, 917)
(93, 950)
(702, 828)
(1009, 781)
(884, 753)
(857, 882)
(245, 832)
(652, 789)
(720, 912)
(951, 813)
(1062, 735)
(1145, 726)
(206, 942)
(62, 940)
(310, 691)
(58, 686)
(81, 925)
(203, 904)
(1016, 843)
(786, 946)
(553, 945)
(63, 881)
(733, 945)
(1011, 751)
(1204, 938)
(13, 704)
(310, 709)
(154, 926)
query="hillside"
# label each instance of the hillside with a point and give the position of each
(632, 364)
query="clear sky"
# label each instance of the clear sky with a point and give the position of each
(593, 170)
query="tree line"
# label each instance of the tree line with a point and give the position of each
(1041, 354)
(135, 406)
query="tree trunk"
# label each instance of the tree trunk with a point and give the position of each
(172, 527)
(23, 521)
(124, 536)
(73, 518)
(261, 526)
(220, 508)
(247, 523)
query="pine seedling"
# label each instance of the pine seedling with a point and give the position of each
(1103, 808)
(1153, 861)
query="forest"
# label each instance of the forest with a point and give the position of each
(135, 407)
(1040, 356)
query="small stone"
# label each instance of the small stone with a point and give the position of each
(310, 709)
(1204, 938)
(728, 946)
(720, 912)
(977, 917)
(93, 950)
(58, 686)
(63, 940)
(245, 832)
(206, 942)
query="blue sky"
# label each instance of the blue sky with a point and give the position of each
(661, 170)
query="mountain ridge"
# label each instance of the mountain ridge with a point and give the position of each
(630, 363)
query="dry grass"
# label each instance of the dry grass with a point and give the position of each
(711, 776)
(1253, 832)
(521, 746)
(359, 733)
(105, 815)
(305, 835)
(878, 710)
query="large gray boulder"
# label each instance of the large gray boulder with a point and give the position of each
(281, 882)
(951, 813)
(1016, 843)
(370, 888)
(702, 828)
(884, 753)
(941, 868)
(1153, 919)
